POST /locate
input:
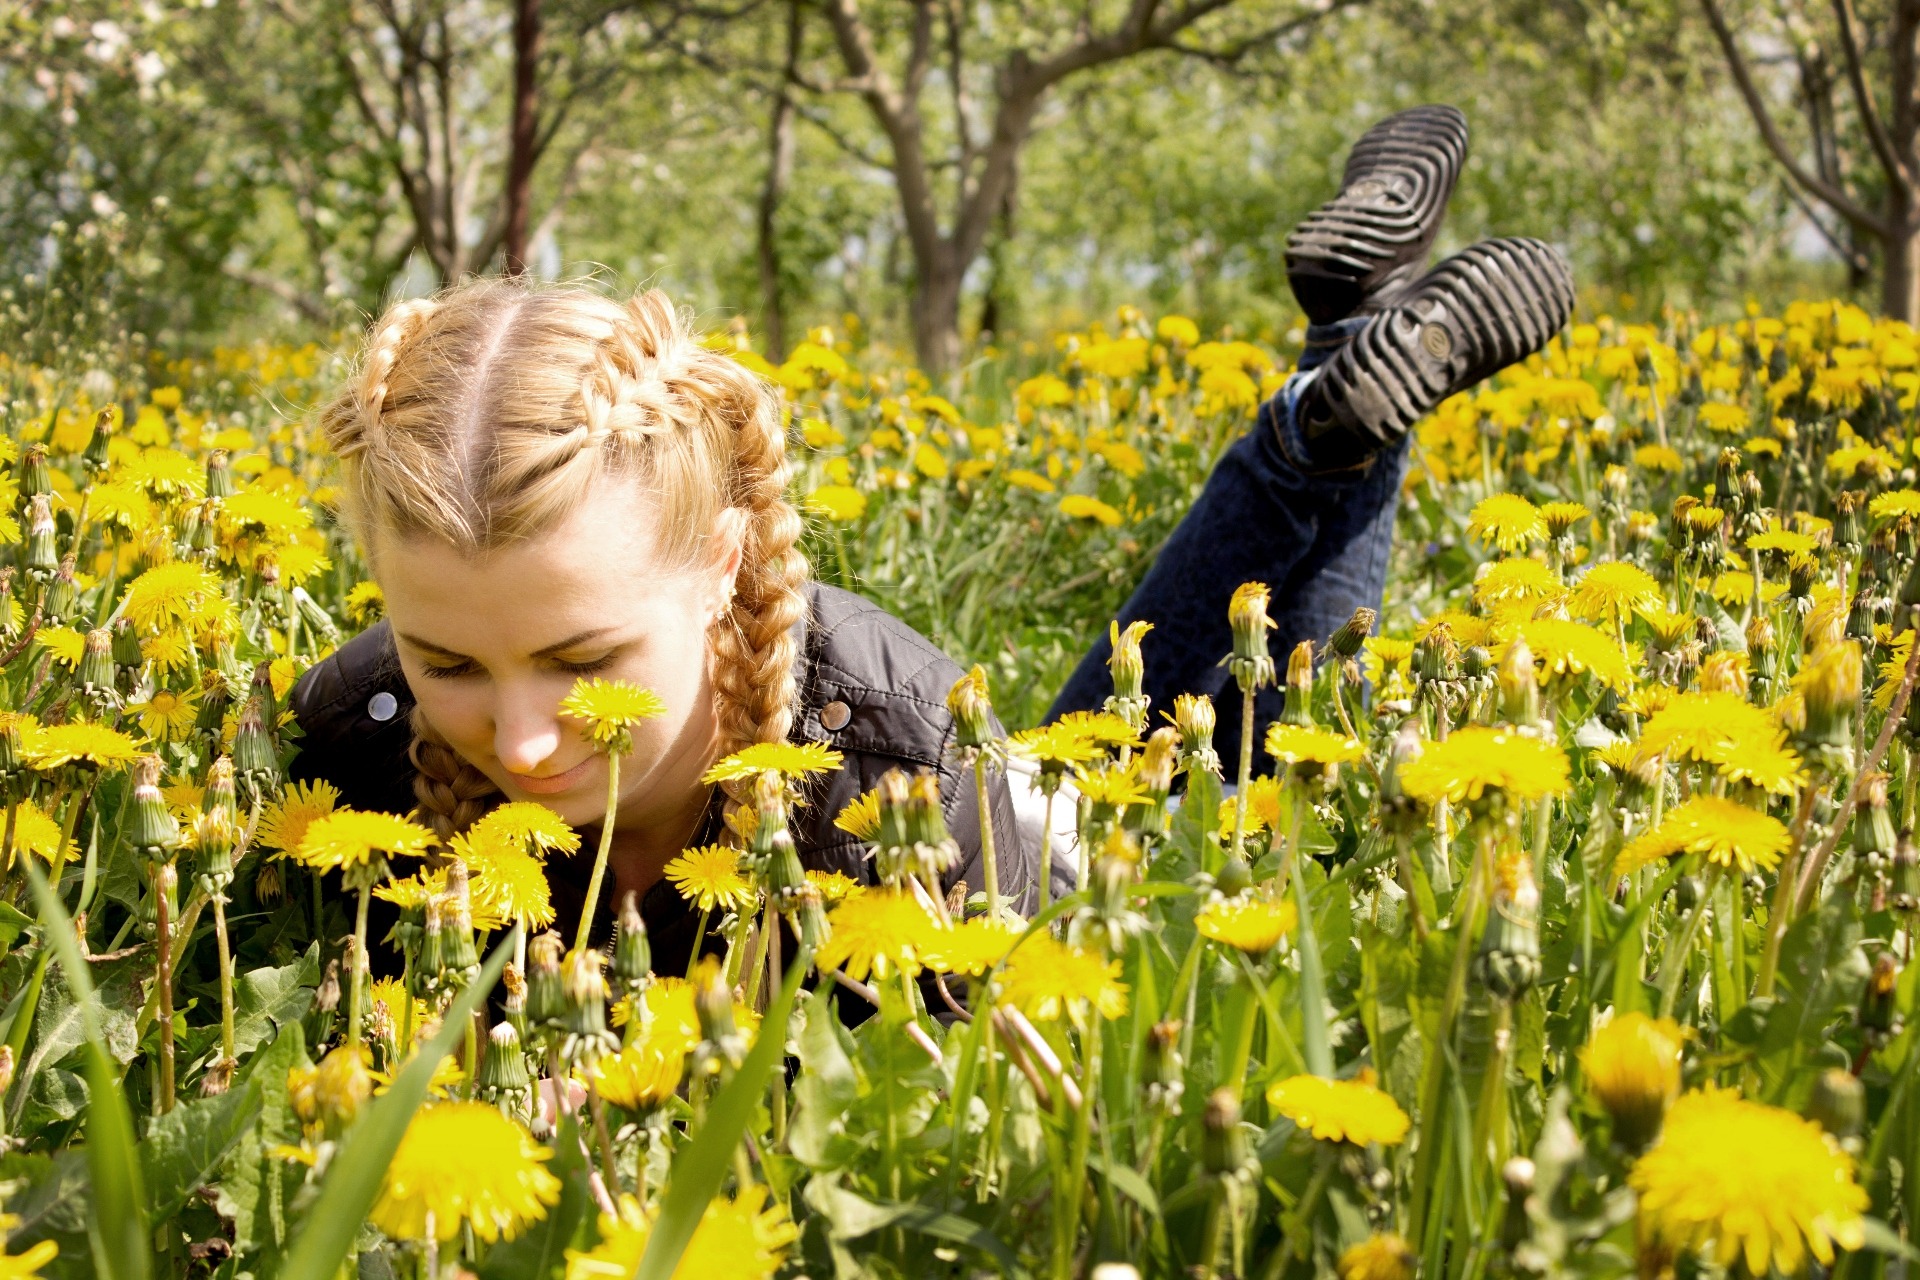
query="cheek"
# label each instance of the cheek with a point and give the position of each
(459, 709)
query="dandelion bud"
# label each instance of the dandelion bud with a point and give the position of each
(155, 833)
(326, 998)
(460, 957)
(972, 710)
(1193, 717)
(6, 1067)
(219, 475)
(1353, 633)
(213, 838)
(1879, 1007)
(432, 961)
(1235, 878)
(585, 1019)
(126, 645)
(1222, 1144)
(200, 529)
(515, 1005)
(1906, 875)
(1846, 519)
(546, 1001)
(1873, 833)
(63, 595)
(1299, 706)
(892, 831)
(503, 1070)
(1724, 672)
(1509, 961)
(1519, 685)
(1633, 1067)
(36, 478)
(1436, 656)
(1162, 1073)
(216, 695)
(1129, 671)
(10, 744)
(1830, 684)
(1726, 481)
(1777, 363)
(934, 849)
(1157, 764)
(7, 603)
(1251, 663)
(94, 460)
(340, 1088)
(1838, 1103)
(1803, 571)
(96, 664)
(632, 956)
(43, 555)
(713, 1006)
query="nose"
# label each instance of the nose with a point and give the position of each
(526, 729)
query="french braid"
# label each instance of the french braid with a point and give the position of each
(452, 794)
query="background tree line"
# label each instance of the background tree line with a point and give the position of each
(935, 168)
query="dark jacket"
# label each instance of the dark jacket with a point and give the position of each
(879, 684)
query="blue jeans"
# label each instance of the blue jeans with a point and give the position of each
(1318, 538)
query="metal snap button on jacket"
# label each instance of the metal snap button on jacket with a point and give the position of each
(382, 706)
(834, 716)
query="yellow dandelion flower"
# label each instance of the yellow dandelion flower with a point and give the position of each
(1047, 979)
(50, 746)
(1081, 506)
(1658, 457)
(1743, 1182)
(1021, 478)
(1381, 1257)
(710, 877)
(835, 887)
(464, 1163)
(1253, 925)
(1263, 808)
(1296, 744)
(971, 948)
(1055, 745)
(1728, 833)
(532, 828)
(170, 593)
(743, 1238)
(877, 932)
(1112, 785)
(860, 818)
(1786, 542)
(260, 510)
(1353, 1111)
(788, 759)
(1477, 758)
(639, 1077)
(841, 503)
(1632, 1065)
(365, 604)
(1741, 741)
(352, 838)
(508, 885)
(1506, 521)
(611, 708)
(1100, 727)
(284, 823)
(1562, 648)
(166, 716)
(1516, 578)
(1898, 504)
(64, 643)
(1612, 590)
(37, 833)
(23, 1266)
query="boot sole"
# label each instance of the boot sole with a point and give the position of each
(1490, 305)
(1375, 233)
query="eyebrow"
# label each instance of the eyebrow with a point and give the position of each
(572, 641)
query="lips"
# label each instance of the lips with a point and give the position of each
(554, 783)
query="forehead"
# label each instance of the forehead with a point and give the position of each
(600, 566)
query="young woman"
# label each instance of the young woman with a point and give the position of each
(547, 484)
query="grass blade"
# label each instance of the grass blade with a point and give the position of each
(116, 1224)
(702, 1166)
(353, 1179)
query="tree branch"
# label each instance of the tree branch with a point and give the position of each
(1890, 160)
(1827, 193)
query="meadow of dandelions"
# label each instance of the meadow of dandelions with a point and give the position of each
(1563, 924)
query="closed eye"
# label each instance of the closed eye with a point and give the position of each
(585, 668)
(451, 672)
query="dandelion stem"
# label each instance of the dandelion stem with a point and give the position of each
(226, 977)
(989, 861)
(601, 854)
(1246, 771)
(163, 981)
(356, 966)
(1046, 846)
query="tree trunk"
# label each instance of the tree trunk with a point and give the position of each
(780, 144)
(935, 312)
(519, 193)
(1900, 275)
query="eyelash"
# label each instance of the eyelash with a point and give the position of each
(466, 668)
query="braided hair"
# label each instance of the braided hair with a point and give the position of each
(482, 415)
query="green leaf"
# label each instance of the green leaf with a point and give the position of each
(13, 922)
(702, 1164)
(256, 1185)
(183, 1147)
(853, 1216)
(1129, 1182)
(116, 1227)
(352, 1184)
(266, 1000)
(825, 1089)
(538, 1252)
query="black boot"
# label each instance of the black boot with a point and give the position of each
(1354, 251)
(1488, 306)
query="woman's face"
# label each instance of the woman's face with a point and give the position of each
(491, 644)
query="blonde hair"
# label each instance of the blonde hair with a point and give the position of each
(482, 416)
